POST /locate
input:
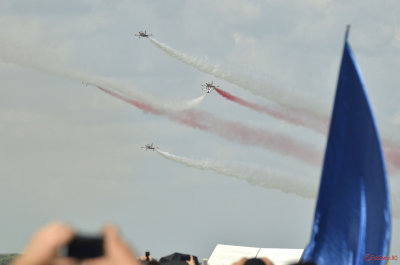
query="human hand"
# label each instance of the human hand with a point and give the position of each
(191, 261)
(144, 258)
(42, 248)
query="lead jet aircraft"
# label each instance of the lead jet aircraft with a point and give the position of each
(143, 34)
(149, 147)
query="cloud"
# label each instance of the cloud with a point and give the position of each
(237, 8)
(396, 37)
(45, 8)
(396, 120)
(241, 39)
(21, 116)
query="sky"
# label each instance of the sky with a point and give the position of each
(72, 152)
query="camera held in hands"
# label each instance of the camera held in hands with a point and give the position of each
(84, 247)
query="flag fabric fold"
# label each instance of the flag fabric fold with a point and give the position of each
(352, 222)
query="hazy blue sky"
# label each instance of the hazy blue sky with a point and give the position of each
(71, 152)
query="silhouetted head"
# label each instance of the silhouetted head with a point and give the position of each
(254, 261)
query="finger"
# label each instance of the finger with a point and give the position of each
(116, 243)
(50, 237)
(112, 242)
(190, 261)
(116, 249)
(54, 234)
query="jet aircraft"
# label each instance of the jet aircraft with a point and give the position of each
(149, 147)
(209, 86)
(143, 34)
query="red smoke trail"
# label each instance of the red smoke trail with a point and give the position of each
(392, 155)
(232, 131)
(240, 133)
(287, 114)
(142, 106)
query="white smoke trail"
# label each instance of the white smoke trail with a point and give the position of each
(282, 95)
(162, 104)
(233, 131)
(25, 57)
(298, 104)
(265, 177)
(254, 175)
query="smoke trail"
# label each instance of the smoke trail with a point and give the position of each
(318, 125)
(239, 133)
(11, 53)
(233, 131)
(302, 186)
(295, 104)
(254, 175)
(305, 104)
(201, 120)
(392, 155)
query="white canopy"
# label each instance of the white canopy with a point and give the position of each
(228, 254)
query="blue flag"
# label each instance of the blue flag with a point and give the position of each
(352, 217)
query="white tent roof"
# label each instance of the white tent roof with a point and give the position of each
(228, 254)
